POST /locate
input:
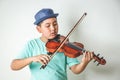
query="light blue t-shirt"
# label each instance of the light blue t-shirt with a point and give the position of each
(56, 68)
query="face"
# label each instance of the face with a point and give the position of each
(48, 28)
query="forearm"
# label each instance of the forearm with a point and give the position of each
(78, 68)
(18, 64)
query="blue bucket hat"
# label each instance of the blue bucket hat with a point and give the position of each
(44, 14)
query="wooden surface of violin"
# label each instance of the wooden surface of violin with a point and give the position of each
(71, 49)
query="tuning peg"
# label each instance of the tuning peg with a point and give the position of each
(94, 61)
(97, 54)
(98, 64)
(101, 57)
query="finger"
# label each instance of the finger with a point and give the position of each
(41, 61)
(84, 54)
(88, 55)
(47, 58)
(44, 60)
(92, 55)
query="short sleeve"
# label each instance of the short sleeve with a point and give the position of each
(72, 61)
(26, 51)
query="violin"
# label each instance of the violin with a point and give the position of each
(72, 50)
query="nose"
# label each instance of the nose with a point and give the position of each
(52, 27)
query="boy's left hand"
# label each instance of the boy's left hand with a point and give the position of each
(87, 57)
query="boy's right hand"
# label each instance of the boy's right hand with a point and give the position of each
(42, 58)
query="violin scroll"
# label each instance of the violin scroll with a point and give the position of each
(101, 60)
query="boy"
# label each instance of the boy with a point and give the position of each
(35, 54)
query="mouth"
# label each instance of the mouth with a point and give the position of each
(53, 34)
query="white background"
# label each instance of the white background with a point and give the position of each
(99, 32)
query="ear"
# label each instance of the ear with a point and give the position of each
(38, 29)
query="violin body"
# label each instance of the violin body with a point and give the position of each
(71, 50)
